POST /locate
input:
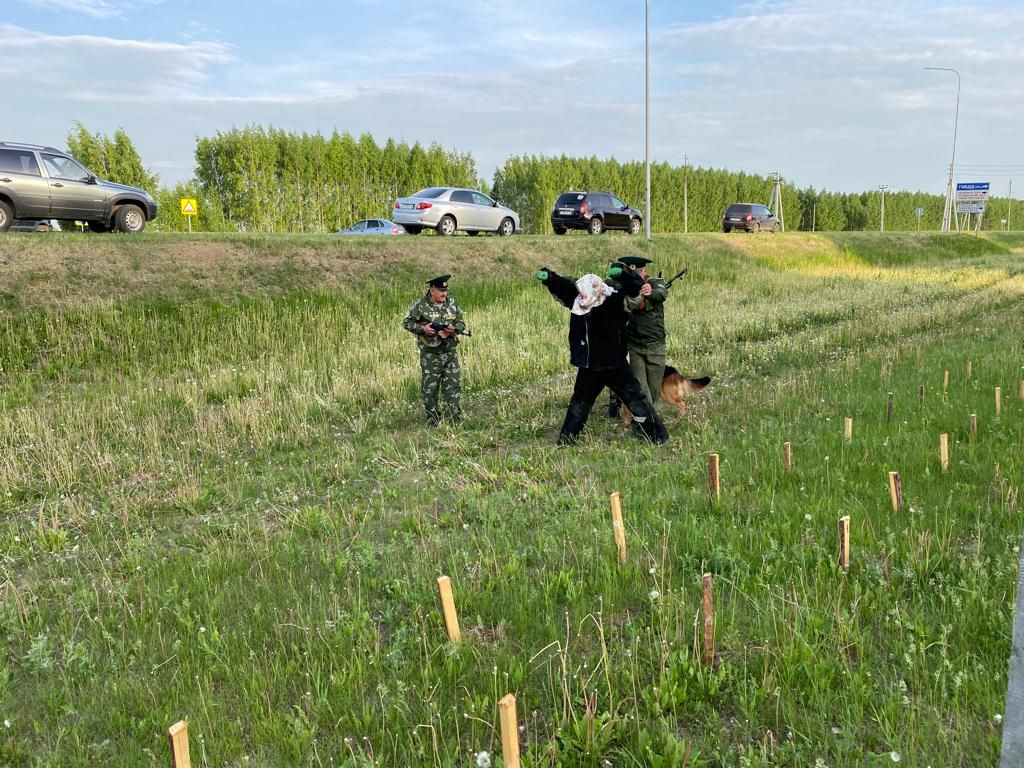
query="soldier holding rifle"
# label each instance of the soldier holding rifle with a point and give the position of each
(436, 320)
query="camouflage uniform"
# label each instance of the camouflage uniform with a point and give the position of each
(440, 375)
(645, 338)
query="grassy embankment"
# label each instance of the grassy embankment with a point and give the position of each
(220, 502)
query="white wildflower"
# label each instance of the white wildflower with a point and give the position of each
(483, 760)
(895, 757)
(997, 719)
(654, 594)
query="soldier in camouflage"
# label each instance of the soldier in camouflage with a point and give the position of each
(645, 333)
(439, 360)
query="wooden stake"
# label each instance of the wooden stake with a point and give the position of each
(618, 528)
(970, 366)
(848, 429)
(844, 542)
(179, 745)
(713, 481)
(451, 618)
(945, 382)
(709, 620)
(1022, 389)
(999, 400)
(920, 393)
(787, 456)
(889, 409)
(972, 426)
(895, 491)
(944, 451)
(509, 731)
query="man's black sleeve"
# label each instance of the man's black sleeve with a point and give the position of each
(562, 288)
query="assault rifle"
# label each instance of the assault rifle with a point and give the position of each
(678, 275)
(449, 327)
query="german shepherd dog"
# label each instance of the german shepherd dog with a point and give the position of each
(674, 389)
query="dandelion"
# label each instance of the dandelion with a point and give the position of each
(483, 760)
(895, 756)
(202, 630)
(807, 517)
(654, 594)
(997, 719)
(7, 723)
(652, 570)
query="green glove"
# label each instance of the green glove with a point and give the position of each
(542, 275)
(615, 270)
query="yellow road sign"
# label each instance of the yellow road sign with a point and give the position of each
(189, 207)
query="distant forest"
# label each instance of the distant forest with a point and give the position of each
(267, 180)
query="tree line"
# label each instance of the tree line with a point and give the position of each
(269, 180)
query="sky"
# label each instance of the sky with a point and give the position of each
(830, 93)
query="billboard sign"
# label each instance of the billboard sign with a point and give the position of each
(972, 192)
(970, 207)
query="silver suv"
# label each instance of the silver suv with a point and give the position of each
(39, 182)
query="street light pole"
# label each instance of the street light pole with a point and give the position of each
(949, 211)
(647, 116)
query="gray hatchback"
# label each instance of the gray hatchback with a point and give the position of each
(750, 217)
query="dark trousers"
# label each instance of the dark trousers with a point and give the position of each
(623, 383)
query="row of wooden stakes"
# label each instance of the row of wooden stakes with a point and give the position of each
(507, 705)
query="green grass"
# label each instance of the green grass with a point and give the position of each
(221, 504)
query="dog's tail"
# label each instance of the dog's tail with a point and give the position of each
(688, 385)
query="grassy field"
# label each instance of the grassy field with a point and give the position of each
(221, 504)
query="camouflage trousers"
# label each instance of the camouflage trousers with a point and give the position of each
(441, 380)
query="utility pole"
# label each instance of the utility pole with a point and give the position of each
(686, 223)
(1009, 202)
(814, 215)
(647, 116)
(777, 201)
(950, 210)
(881, 225)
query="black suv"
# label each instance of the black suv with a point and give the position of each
(750, 217)
(594, 212)
(39, 182)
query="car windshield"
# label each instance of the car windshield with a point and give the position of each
(431, 192)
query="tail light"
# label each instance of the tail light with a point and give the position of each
(397, 205)
(750, 217)
(583, 207)
(423, 206)
(394, 230)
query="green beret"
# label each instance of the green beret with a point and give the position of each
(440, 281)
(635, 261)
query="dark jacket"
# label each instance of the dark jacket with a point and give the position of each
(597, 340)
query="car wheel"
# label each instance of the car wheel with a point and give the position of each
(472, 232)
(6, 216)
(634, 226)
(755, 227)
(446, 227)
(596, 226)
(99, 226)
(559, 230)
(412, 230)
(775, 228)
(129, 219)
(727, 230)
(507, 227)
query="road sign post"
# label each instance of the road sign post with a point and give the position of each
(971, 197)
(189, 208)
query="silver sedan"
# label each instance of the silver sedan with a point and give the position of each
(372, 227)
(451, 209)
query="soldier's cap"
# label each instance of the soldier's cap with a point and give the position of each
(635, 262)
(441, 281)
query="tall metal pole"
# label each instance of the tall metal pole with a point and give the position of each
(949, 210)
(686, 206)
(881, 225)
(647, 116)
(1009, 202)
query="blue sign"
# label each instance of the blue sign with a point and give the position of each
(919, 212)
(973, 185)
